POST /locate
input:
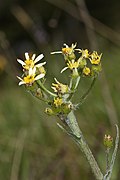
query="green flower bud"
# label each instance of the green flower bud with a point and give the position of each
(82, 63)
(68, 52)
(66, 108)
(49, 111)
(95, 70)
(108, 141)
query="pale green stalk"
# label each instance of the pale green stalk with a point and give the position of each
(44, 88)
(75, 132)
(78, 137)
(74, 82)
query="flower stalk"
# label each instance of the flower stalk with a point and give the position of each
(45, 89)
(78, 137)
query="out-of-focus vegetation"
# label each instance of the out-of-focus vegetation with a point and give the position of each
(31, 145)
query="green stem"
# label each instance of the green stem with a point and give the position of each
(78, 137)
(74, 82)
(107, 158)
(44, 89)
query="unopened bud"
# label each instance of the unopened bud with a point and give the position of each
(108, 141)
(49, 111)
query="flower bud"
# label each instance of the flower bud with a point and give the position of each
(85, 53)
(58, 102)
(49, 111)
(108, 141)
(95, 70)
(86, 71)
(82, 63)
(66, 108)
(68, 52)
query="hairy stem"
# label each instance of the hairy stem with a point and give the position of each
(78, 137)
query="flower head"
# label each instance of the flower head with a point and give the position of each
(95, 58)
(108, 141)
(86, 71)
(30, 62)
(58, 101)
(59, 87)
(68, 50)
(71, 65)
(30, 78)
(84, 53)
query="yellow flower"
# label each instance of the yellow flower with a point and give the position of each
(95, 58)
(30, 78)
(59, 87)
(31, 62)
(86, 71)
(58, 101)
(66, 50)
(71, 65)
(85, 53)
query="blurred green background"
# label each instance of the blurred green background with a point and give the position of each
(32, 147)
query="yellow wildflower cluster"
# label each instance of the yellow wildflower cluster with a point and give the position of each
(88, 64)
(82, 64)
(59, 105)
(33, 70)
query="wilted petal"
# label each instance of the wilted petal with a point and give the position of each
(64, 69)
